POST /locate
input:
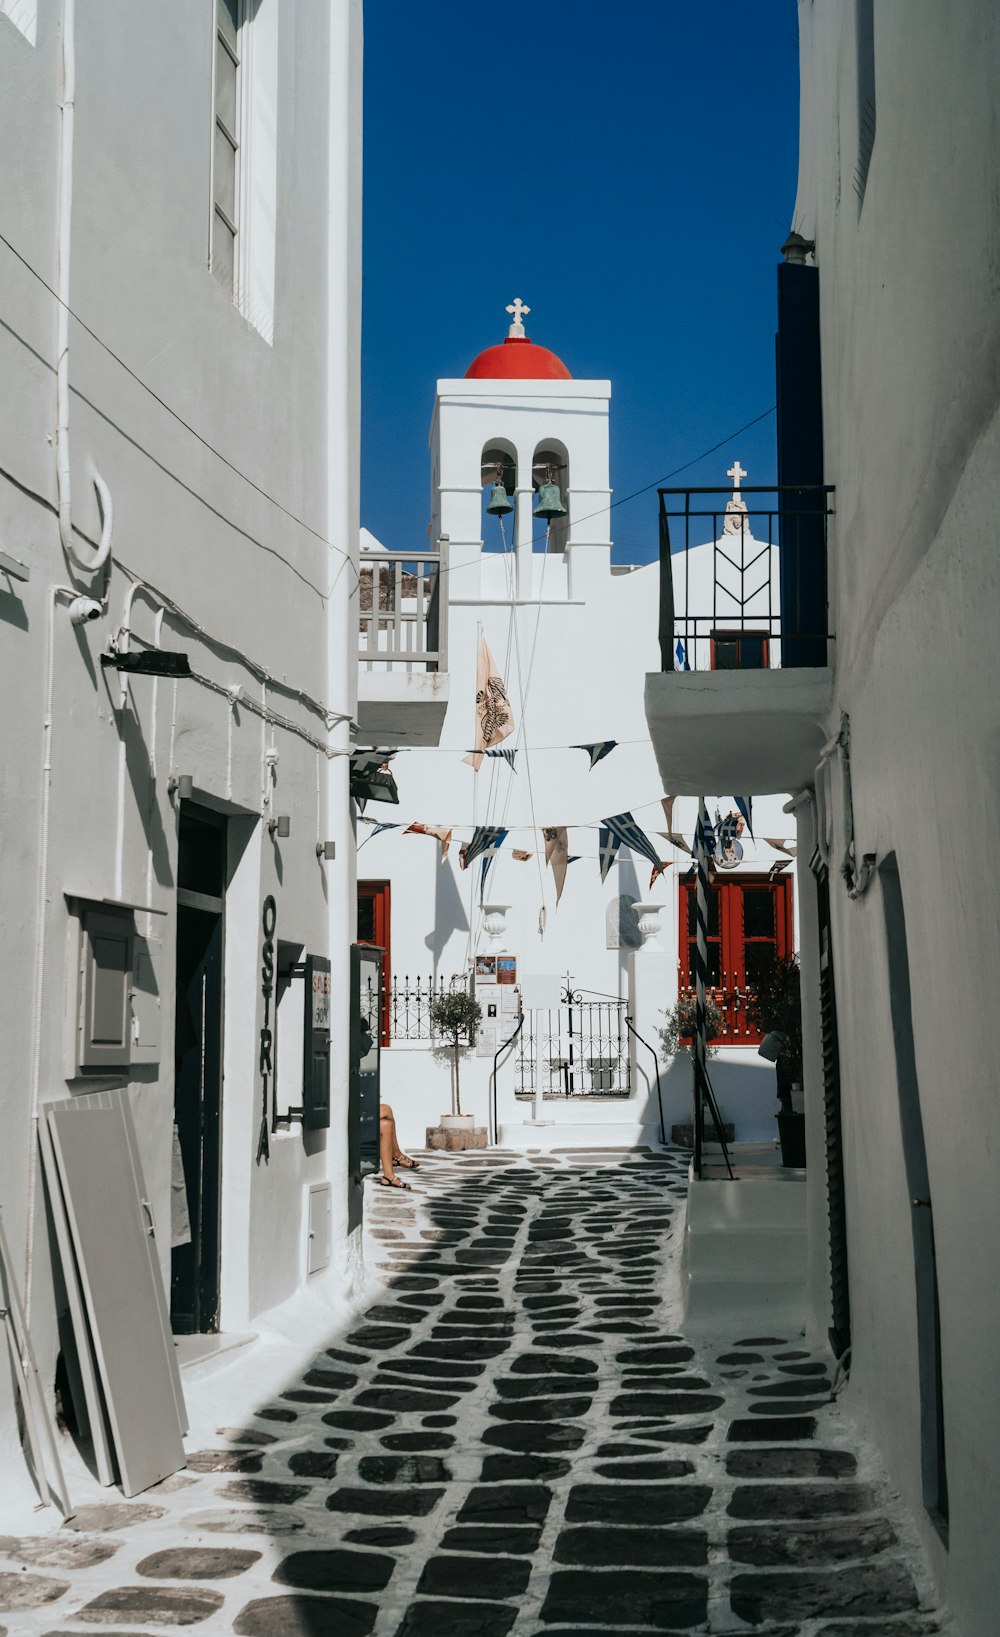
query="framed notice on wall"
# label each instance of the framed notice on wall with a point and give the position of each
(506, 968)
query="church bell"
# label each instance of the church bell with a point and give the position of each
(499, 503)
(548, 501)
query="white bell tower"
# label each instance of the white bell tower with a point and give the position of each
(518, 414)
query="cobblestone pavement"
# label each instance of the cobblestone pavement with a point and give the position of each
(512, 1440)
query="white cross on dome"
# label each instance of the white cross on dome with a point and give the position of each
(518, 309)
(736, 471)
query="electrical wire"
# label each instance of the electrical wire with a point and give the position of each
(200, 438)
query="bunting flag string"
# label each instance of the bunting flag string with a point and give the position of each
(597, 751)
(508, 756)
(780, 846)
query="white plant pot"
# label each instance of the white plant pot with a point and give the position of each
(457, 1122)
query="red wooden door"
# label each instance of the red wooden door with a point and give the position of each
(374, 928)
(749, 927)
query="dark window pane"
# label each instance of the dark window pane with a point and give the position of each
(201, 856)
(227, 17)
(758, 912)
(727, 655)
(759, 960)
(713, 912)
(751, 653)
(225, 88)
(714, 978)
(366, 920)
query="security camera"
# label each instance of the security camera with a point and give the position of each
(82, 609)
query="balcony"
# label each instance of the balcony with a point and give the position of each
(741, 700)
(402, 646)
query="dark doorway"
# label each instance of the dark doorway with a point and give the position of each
(932, 1444)
(840, 1290)
(201, 883)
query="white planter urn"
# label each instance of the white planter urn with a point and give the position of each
(457, 1122)
(495, 923)
(649, 924)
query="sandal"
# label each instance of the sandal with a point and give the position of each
(405, 1161)
(394, 1182)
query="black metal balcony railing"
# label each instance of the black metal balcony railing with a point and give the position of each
(402, 620)
(728, 599)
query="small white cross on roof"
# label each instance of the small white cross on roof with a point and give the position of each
(518, 309)
(736, 471)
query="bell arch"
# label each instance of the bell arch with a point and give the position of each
(550, 464)
(498, 464)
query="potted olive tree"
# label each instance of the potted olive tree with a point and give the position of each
(455, 1017)
(677, 1031)
(774, 1006)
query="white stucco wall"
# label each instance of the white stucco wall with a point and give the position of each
(911, 335)
(253, 582)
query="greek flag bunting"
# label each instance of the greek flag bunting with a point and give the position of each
(623, 828)
(598, 751)
(486, 838)
(745, 805)
(608, 845)
(680, 655)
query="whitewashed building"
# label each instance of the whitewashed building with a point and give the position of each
(883, 722)
(572, 635)
(180, 276)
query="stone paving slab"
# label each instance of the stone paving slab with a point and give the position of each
(510, 1440)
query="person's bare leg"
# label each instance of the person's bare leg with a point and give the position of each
(398, 1157)
(387, 1144)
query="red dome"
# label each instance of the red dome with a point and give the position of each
(517, 359)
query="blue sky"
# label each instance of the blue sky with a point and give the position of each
(629, 172)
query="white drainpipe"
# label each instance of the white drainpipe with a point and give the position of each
(103, 551)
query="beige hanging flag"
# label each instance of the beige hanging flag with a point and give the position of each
(438, 830)
(494, 717)
(520, 854)
(780, 846)
(675, 839)
(557, 854)
(667, 803)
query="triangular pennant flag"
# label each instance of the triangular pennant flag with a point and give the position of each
(777, 867)
(520, 854)
(781, 846)
(675, 839)
(508, 756)
(556, 852)
(745, 805)
(659, 869)
(439, 831)
(607, 850)
(667, 803)
(623, 826)
(571, 858)
(494, 717)
(485, 838)
(598, 750)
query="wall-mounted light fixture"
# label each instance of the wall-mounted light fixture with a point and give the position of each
(181, 785)
(326, 849)
(280, 826)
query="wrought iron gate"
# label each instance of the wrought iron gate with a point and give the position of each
(578, 1049)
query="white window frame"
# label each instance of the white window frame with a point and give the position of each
(236, 139)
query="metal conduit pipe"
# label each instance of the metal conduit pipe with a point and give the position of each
(65, 230)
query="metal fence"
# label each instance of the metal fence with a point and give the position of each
(402, 623)
(579, 1049)
(407, 1008)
